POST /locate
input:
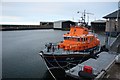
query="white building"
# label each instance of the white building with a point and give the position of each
(62, 24)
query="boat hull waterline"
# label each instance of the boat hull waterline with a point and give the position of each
(64, 60)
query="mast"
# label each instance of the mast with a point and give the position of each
(84, 16)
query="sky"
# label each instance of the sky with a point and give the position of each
(34, 12)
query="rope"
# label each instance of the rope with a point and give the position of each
(82, 59)
(58, 63)
(68, 63)
(49, 62)
(48, 68)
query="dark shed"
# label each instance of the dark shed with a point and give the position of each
(98, 25)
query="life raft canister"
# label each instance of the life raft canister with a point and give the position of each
(88, 69)
(86, 73)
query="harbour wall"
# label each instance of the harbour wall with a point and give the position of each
(24, 27)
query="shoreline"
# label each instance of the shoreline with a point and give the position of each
(24, 29)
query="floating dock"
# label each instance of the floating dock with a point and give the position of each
(99, 65)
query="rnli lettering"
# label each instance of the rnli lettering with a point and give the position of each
(69, 59)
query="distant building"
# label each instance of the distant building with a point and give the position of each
(5, 27)
(98, 25)
(63, 24)
(112, 25)
(46, 23)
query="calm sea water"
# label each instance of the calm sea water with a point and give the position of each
(20, 52)
(20, 58)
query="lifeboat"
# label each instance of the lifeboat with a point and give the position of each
(78, 45)
(79, 39)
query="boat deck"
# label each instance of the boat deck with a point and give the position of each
(100, 64)
(62, 52)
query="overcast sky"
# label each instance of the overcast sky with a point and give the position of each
(34, 12)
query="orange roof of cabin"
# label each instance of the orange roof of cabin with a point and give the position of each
(77, 31)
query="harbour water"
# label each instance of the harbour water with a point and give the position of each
(20, 58)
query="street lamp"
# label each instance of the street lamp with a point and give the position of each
(119, 5)
(118, 12)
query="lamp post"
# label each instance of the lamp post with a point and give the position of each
(119, 5)
(108, 37)
(118, 12)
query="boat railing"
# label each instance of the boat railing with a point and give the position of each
(54, 49)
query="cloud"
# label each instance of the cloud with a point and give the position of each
(10, 18)
(32, 9)
(20, 23)
(60, 0)
(49, 8)
(52, 11)
(16, 20)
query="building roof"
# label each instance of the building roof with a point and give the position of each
(113, 14)
(63, 21)
(99, 21)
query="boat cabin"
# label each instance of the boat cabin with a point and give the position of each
(78, 39)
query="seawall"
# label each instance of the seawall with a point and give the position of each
(24, 27)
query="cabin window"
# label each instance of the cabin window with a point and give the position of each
(91, 39)
(86, 39)
(82, 39)
(65, 38)
(74, 39)
(74, 30)
(70, 38)
(78, 39)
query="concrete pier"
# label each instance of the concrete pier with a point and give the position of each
(99, 65)
(115, 45)
(113, 73)
(104, 66)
